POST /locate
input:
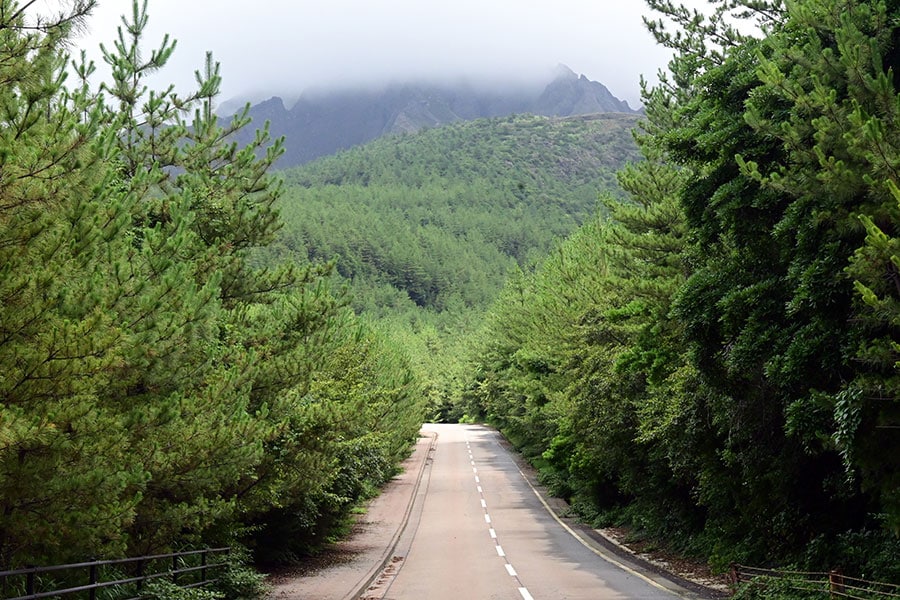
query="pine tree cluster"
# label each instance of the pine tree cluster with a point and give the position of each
(157, 388)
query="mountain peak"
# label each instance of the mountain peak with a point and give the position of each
(323, 122)
(570, 94)
(564, 72)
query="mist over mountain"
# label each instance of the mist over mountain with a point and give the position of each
(324, 122)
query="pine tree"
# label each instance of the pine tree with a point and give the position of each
(784, 136)
(66, 486)
(157, 378)
(829, 95)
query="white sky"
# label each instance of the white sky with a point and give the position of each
(285, 46)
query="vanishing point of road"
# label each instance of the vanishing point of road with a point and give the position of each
(480, 531)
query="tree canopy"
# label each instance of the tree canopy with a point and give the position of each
(160, 388)
(720, 367)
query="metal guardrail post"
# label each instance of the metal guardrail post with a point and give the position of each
(140, 574)
(92, 594)
(203, 564)
(734, 576)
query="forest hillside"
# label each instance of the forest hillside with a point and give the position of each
(423, 229)
(439, 218)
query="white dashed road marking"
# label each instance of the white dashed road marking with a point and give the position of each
(523, 591)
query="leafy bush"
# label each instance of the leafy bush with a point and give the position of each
(166, 590)
(240, 582)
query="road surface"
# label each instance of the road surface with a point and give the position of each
(478, 531)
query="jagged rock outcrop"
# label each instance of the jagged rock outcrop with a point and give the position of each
(570, 94)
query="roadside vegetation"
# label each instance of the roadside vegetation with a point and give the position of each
(159, 389)
(715, 362)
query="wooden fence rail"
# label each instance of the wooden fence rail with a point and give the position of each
(832, 584)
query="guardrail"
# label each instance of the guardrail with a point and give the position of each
(186, 569)
(833, 584)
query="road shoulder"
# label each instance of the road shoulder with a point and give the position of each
(347, 568)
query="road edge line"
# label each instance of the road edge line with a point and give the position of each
(604, 555)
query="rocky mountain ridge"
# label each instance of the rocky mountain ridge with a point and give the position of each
(320, 124)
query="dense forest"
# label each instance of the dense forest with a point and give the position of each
(695, 335)
(715, 362)
(160, 389)
(441, 216)
(423, 229)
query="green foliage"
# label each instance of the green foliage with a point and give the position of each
(363, 408)
(425, 228)
(443, 215)
(723, 372)
(712, 358)
(160, 387)
(239, 581)
(166, 590)
(785, 198)
(60, 345)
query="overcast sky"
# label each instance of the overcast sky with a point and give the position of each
(286, 46)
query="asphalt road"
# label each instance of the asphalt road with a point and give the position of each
(479, 531)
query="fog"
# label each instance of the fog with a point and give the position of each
(286, 46)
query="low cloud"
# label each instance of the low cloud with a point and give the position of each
(281, 46)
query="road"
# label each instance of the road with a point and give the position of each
(479, 531)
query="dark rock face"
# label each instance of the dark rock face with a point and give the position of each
(570, 95)
(325, 123)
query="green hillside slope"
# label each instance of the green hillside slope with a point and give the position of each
(437, 219)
